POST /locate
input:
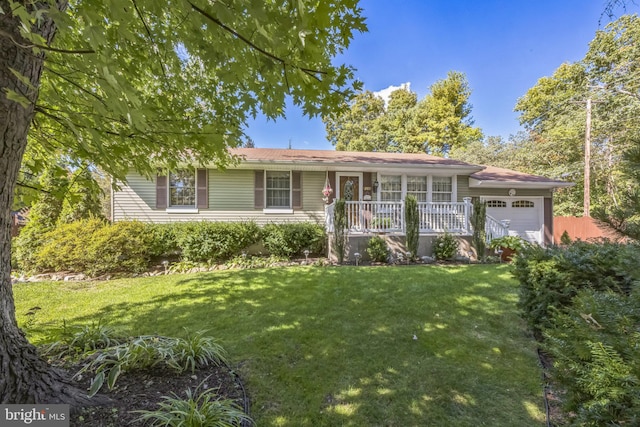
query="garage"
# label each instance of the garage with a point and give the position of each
(525, 215)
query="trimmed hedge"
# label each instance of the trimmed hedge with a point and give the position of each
(214, 241)
(290, 239)
(95, 247)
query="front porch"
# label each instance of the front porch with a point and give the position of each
(369, 217)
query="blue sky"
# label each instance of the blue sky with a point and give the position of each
(503, 47)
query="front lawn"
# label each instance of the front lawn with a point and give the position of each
(334, 346)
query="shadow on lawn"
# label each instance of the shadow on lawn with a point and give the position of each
(335, 346)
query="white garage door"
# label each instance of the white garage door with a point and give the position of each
(525, 215)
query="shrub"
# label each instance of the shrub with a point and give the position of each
(515, 243)
(340, 229)
(94, 247)
(597, 359)
(478, 222)
(163, 242)
(290, 239)
(445, 246)
(412, 221)
(206, 241)
(377, 249)
(65, 247)
(121, 246)
(550, 278)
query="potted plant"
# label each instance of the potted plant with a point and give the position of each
(507, 246)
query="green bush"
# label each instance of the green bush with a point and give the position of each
(65, 248)
(163, 239)
(340, 231)
(551, 277)
(412, 221)
(445, 246)
(290, 239)
(93, 247)
(583, 303)
(121, 246)
(377, 249)
(478, 222)
(595, 346)
(207, 241)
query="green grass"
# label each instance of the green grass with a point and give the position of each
(334, 346)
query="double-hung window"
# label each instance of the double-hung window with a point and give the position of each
(391, 188)
(278, 189)
(417, 186)
(182, 189)
(441, 189)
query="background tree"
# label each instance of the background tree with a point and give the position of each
(84, 198)
(443, 118)
(435, 124)
(360, 126)
(554, 112)
(144, 84)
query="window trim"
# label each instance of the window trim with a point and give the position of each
(277, 209)
(403, 176)
(201, 189)
(190, 207)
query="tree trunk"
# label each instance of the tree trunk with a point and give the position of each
(24, 376)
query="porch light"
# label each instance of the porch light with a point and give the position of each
(375, 185)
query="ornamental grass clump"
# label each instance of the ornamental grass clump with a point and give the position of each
(146, 352)
(198, 408)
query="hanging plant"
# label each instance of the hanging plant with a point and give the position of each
(326, 191)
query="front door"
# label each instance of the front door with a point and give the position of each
(349, 188)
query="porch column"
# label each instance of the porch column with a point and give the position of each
(467, 214)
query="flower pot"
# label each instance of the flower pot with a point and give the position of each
(507, 254)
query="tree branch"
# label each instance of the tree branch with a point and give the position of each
(148, 30)
(88, 92)
(253, 45)
(47, 48)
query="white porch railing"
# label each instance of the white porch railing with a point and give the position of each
(494, 228)
(388, 217)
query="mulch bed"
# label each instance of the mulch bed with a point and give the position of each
(143, 390)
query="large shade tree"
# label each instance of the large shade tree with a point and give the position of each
(145, 84)
(435, 124)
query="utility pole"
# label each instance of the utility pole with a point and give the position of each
(587, 163)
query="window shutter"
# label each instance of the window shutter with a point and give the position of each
(296, 187)
(161, 191)
(258, 189)
(202, 188)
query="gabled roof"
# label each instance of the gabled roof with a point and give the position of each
(479, 176)
(491, 177)
(350, 158)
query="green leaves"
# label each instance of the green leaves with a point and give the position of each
(435, 124)
(176, 81)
